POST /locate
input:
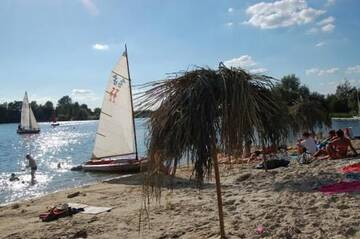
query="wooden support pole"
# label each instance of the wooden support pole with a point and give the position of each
(218, 192)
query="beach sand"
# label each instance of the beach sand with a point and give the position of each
(283, 201)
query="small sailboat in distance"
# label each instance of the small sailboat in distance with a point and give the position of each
(28, 124)
(115, 148)
(53, 120)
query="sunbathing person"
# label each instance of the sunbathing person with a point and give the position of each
(338, 148)
(324, 143)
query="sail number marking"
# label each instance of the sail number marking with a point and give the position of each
(118, 80)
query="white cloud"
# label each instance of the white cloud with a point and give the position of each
(259, 70)
(320, 44)
(326, 25)
(230, 10)
(100, 47)
(312, 30)
(229, 24)
(282, 13)
(90, 7)
(321, 72)
(330, 3)
(328, 28)
(246, 62)
(353, 69)
(83, 95)
(41, 99)
(326, 21)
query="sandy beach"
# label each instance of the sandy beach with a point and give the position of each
(284, 201)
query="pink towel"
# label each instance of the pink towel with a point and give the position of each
(342, 187)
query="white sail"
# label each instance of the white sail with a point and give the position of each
(33, 123)
(115, 135)
(25, 114)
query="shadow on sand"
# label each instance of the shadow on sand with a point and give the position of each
(307, 183)
(168, 181)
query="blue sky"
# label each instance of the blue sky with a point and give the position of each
(53, 48)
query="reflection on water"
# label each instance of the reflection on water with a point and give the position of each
(69, 144)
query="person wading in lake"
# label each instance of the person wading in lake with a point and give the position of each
(32, 165)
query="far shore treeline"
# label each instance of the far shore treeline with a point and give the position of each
(297, 99)
(64, 110)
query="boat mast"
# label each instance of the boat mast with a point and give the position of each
(132, 106)
(358, 101)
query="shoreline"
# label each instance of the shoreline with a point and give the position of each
(62, 190)
(284, 201)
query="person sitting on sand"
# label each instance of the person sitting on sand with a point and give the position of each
(13, 178)
(331, 137)
(306, 144)
(324, 143)
(32, 165)
(338, 147)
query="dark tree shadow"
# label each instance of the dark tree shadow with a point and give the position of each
(308, 183)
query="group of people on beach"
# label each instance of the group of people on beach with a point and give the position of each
(335, 146)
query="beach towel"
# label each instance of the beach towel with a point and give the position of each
(354, 176)
(342, 187)
(90, 209)
(353, 168)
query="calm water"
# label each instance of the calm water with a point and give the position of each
(71, 144)
(353, 124)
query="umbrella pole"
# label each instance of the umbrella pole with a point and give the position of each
(218, 192)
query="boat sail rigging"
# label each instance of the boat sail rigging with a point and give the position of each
(115, 136)
(28, 122)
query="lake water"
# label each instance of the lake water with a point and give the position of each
(71, 144)
(354, 124)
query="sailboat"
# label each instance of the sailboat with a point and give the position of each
(53, 120)
(28, 124)
(115, 148)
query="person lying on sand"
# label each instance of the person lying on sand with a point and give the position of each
(338, 147)
(306, 144)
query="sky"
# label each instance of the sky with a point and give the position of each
(53, 48)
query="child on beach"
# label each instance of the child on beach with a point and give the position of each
(13, 178)
(32, 165)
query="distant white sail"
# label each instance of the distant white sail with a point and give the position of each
(25, 114)
(33, 123)
(115, 134)
(28, 120)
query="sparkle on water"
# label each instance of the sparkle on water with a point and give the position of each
(69, 144)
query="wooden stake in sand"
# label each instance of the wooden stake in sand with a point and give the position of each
(218, 192)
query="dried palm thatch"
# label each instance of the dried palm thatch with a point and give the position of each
(202, 110)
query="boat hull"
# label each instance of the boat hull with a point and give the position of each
(114, 166)
(32, 131)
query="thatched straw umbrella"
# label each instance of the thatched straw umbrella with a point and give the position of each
(202, 110)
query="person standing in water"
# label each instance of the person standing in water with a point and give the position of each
(32, 165)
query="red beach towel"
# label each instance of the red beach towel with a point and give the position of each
(353, 168)
(342, 187)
